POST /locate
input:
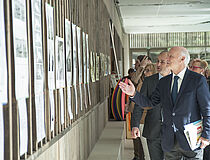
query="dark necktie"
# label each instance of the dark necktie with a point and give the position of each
(174, 91)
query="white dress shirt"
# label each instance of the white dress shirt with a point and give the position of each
(181, 76)
(160, 76)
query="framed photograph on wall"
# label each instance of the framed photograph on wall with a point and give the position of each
(97, 66)
(68, 52)
(75, 65)
(60, 62)
(79, 49)
(92, 63)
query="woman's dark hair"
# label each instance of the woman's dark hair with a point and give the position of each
(130, 70)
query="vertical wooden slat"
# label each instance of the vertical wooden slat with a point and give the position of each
(46, 89)
(7, 109)
(65, 89)
(63, 35)
(31, 73)
(54, 2)
(15, 131)
(58, 110)
(12, 111)
(88, 15)
(69, 18)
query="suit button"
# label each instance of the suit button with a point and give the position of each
(173, 114)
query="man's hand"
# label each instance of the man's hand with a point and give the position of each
(204, 142)
(128, 89)
(135, 132)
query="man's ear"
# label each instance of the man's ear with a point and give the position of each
(202, 71)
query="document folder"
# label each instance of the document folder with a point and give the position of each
(193, 132)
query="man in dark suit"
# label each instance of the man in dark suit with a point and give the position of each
(153, 119)
(185, 98)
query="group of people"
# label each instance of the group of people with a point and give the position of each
(166, 96)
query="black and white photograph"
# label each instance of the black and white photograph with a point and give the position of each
(106, 71)
(102, 59)
(109, 65)
(37, 22)
(37, 46)
(79, 51)
(60, 63)
(68, 52)
(88, 60)
(97, 66)
(39, 71)
(37, 38)
(38, 56)
(20, 49)
(68, 63)
(84, 57)
(93, 61)
(50, 32)
(3, 62)
(50, 45)
(75, 65)
(19, 10)
(36, 6)
(51, 63)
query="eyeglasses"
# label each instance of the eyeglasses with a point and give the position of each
(195, 67)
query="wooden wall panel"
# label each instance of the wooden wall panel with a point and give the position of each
(93, 19)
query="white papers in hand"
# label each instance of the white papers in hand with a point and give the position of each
(193, 132)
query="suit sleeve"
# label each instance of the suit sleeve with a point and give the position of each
(143, 101)
(144, 88)
(203, 98)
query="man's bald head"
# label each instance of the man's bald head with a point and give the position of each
(182, 52)
(178, 58)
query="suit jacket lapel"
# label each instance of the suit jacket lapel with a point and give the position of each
(154, 80)
(169, 81)
(183, 85)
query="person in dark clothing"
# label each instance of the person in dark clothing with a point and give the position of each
(206, 154)
(184, 96)
(153, 119)
(137, 79)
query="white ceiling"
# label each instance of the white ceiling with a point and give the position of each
(161, 16)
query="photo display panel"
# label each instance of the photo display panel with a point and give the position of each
(20, 48)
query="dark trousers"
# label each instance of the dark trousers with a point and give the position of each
(155, 149)
(138, 149)
(206, 154)
(177, 153)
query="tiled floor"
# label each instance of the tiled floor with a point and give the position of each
(128, 151)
